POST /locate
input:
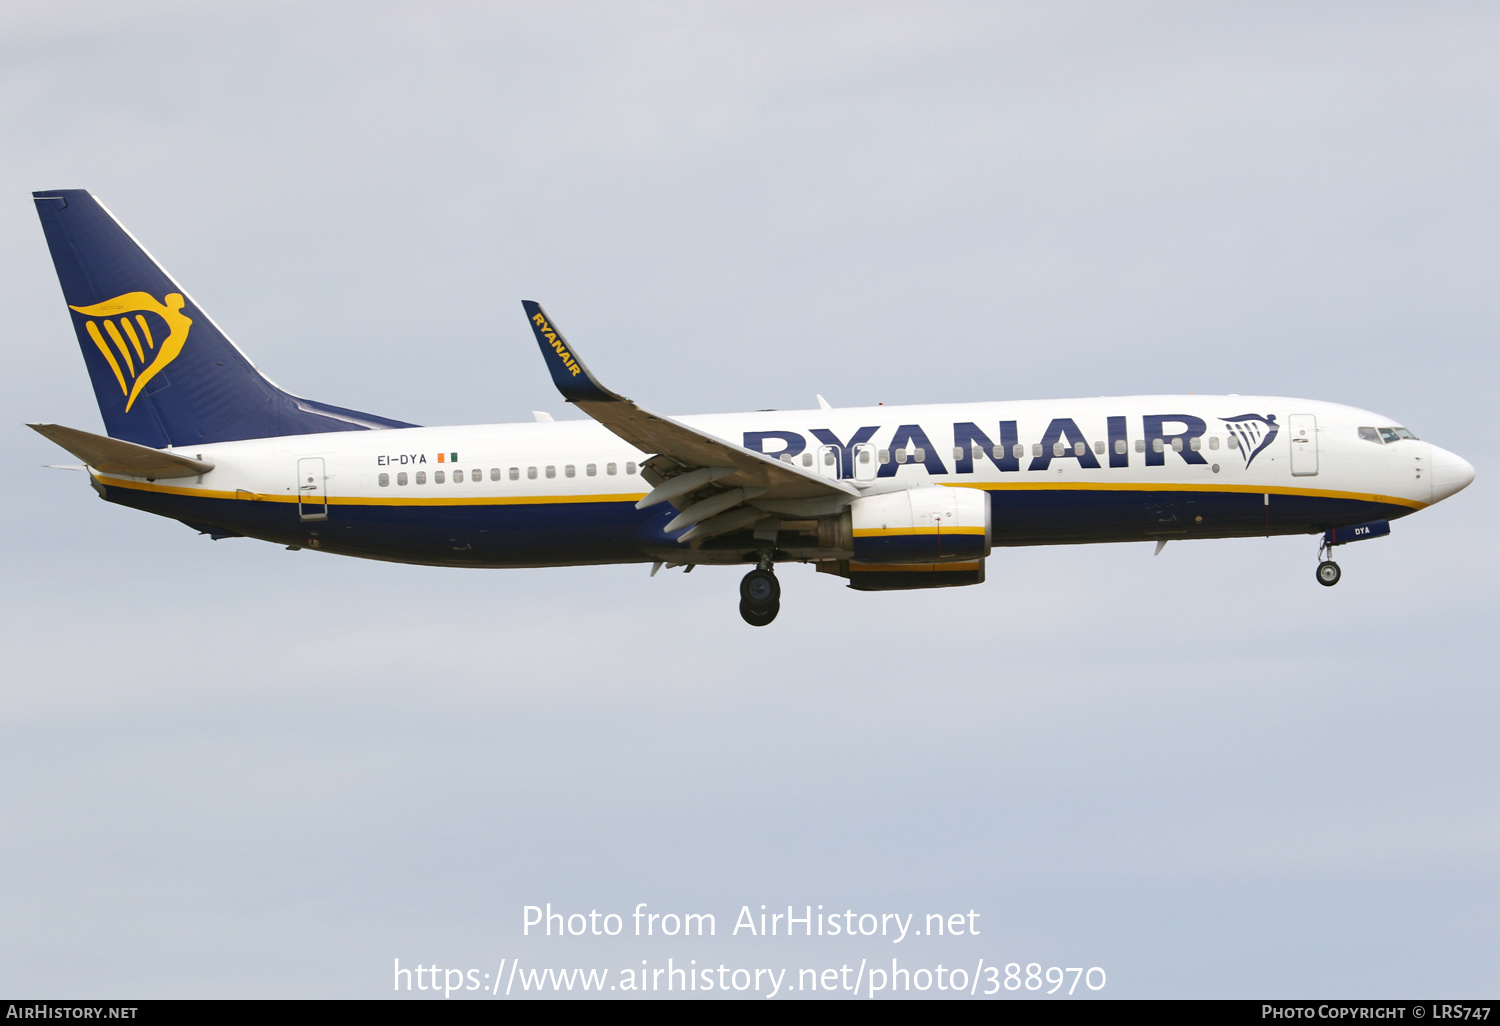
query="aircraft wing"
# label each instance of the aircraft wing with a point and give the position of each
(700, 470)
(117, 456)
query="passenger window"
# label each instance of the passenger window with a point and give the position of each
(1176, 445)
(629, 467)
(1098, 448)
(1140, 445)
(884, 456)
(401, 478)
(828, 458)
(786, 457)
(514, 474)
(437, 477)
(1213, 443)
(864, 457)
(592, 470)
(958, 453)
(551, 472)
(900, 455)
(1057, 448)
(1018, 450)
(921, 456)
(458, 477)
(1120, 446)
(421, 477)
(807, 459)
(998, 452)
(1369, 434)
(495, 473)
(1195, 443)
(610, 469)
(385, 480)
(1036, 449)
(1156, 445)
(1079, 448)
(570, 471)
(531, 473)
(1234, 441)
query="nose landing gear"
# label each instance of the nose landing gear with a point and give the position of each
(1328, 571)
(760, 596)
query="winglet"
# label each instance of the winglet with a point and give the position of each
(569, 374)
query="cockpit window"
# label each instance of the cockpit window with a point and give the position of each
(1386, 435)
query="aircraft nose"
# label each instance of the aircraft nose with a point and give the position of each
(1451, 474)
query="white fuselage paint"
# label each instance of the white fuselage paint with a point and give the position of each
(1361, 480)
(267, 466)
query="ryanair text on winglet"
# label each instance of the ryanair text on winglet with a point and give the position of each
(567, 357)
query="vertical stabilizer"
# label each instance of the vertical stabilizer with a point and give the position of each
(163, 373)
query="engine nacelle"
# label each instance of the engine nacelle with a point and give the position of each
(935, 524)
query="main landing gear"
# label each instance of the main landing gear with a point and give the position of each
(760, 596)
(1328, 571)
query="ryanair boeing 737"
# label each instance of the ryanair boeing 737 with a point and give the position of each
(889, 497)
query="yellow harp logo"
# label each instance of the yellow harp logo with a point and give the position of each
(141, 357)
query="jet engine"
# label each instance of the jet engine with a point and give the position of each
(936, 524)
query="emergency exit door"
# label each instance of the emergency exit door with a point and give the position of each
(312, 492)
(829, 457)
(1303, 428)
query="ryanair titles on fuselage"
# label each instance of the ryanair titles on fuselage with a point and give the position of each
(1179, 433)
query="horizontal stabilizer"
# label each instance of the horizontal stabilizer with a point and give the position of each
(115, 456)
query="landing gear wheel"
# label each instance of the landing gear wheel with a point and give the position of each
(1329, 573)
(760, 590)
(759, 616)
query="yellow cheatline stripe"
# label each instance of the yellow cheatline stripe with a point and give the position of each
(1247, 489)
(882, 532)
(342, 500)
(493, 500)
(907, 567)
(523, 500)
(108, 356)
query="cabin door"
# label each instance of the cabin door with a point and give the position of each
(1303, 428)
(312, 492)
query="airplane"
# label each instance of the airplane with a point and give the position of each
(886, 497)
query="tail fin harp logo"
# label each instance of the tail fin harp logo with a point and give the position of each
(140, 356)
(1253, 432)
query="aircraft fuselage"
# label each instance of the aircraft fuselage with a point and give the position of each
(1139, 468)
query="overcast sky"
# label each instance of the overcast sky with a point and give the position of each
(230, 769)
